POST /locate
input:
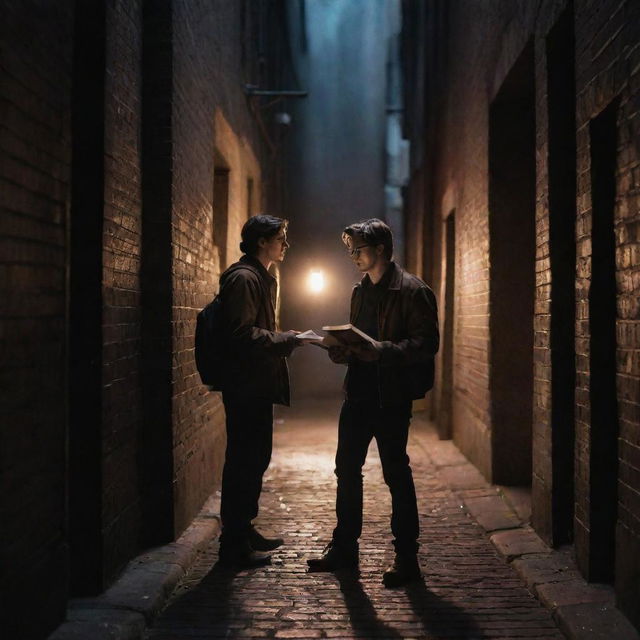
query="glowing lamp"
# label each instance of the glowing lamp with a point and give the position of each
(315, 281)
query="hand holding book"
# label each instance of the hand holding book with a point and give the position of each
(343, 341)
(311, 337)
(357, 342)
(347, 335)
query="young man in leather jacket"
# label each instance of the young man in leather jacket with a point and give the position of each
(255, 376)
(398, 310)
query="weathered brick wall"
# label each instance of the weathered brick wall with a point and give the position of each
(209, 112)
(35, 78)
(607, 66)
(483, 43)
(150, 448)
(121, 511)
(542, 476)
(478, 64)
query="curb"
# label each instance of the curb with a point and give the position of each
(582, 610)
(130, 605)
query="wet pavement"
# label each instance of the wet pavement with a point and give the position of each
(468, 591)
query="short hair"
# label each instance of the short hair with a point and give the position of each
(373, 232)
(259, 226)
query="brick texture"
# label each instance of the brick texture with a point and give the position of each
(121, 392)
(607, 66)
(468, 590)
(35, 70)
(166, 103)
(480, 43)
(209, 114)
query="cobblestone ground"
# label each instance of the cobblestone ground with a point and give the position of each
(468, 590)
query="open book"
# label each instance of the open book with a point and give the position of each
(346, 335)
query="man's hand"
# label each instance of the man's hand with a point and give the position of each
(339, 354)
(296, 343)
(367, 352)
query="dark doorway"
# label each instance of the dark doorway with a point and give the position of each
(512, 174)
(445, 423)
(603, 449)
(85, 303)
(562, 254)
(221, 207)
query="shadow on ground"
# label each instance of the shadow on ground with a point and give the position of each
(215, 609)
(437, 617)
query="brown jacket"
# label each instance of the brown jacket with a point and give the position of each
(409, 336)
(254, 351)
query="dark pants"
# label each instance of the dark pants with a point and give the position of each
(360, 421)
(249, 443)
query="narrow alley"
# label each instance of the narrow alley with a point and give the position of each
(469, 590)
(194, 191)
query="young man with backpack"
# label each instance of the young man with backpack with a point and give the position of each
(397, 310)
(250, 369)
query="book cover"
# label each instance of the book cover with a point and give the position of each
(346, 335)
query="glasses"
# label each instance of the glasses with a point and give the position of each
(355, 252)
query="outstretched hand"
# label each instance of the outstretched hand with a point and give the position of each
(296, 342)
(305, 337)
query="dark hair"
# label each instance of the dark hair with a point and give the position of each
(260, 226)
(373, 232)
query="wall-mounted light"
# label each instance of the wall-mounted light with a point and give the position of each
(316, 281)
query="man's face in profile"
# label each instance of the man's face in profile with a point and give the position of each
(277, 246)
(364, 256)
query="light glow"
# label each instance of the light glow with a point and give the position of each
(315, 281)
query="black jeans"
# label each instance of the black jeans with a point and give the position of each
(249, 444)
(360, 421)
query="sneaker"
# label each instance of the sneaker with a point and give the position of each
(334, 558)
(259, 542)
(405, 569)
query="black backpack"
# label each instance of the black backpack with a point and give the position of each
(210, 339)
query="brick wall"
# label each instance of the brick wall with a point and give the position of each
(542, 473)
(209, 114)
(121, 390)
(35, 70)
(112, 118)
(607, 66)
(477, 66)
(483, 43)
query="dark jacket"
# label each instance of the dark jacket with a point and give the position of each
(254, 351)
(409, 336)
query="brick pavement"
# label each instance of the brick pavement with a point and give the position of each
(468, 591)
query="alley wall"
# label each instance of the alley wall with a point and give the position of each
(35, 148)
(130, 159)
(211, 124)
(528, 172)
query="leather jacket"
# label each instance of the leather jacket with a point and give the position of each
(254, 351)
(408, 334)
